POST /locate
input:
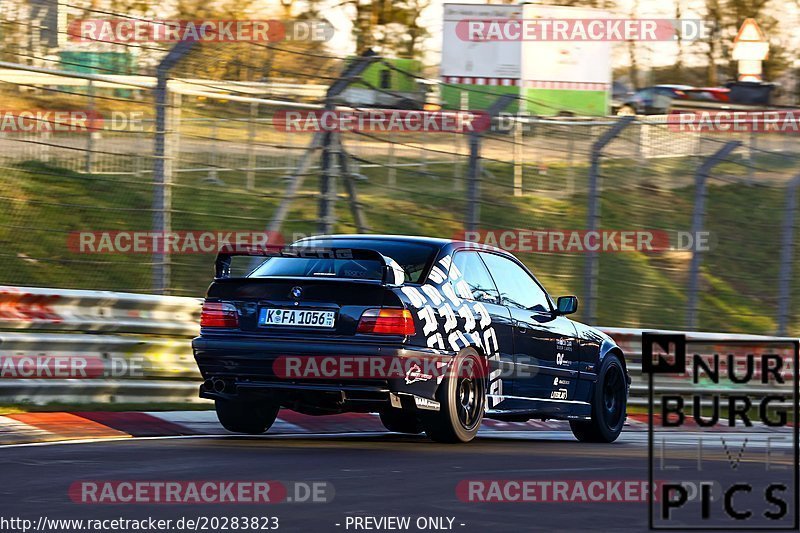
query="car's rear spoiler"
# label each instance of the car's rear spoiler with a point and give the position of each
(392, 273)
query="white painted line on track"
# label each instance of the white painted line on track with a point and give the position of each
(282, 436)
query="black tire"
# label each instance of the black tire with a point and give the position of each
(398, 421)
(609, 404)
(253, 418)
(462, 399)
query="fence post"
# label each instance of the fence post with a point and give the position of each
(162, 163)
(295, 181)
(458, 175)
(457, 161)
(327, 191)
(392, 178)
(751, 154)
(698, 213)
(593, 215)
(350, 185)
(571, 159)
(213, 172)
(327, 185)
(518, 163)
(89, 161)
(787, 251)
(251, 153)
(474, 171)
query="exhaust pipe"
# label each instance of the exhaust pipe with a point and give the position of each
(208, 385)
(219, 385)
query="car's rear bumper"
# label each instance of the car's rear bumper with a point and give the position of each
(253, 367)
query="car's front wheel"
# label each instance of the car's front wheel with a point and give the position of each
(253, 418)
(462, 400)
(609, 404)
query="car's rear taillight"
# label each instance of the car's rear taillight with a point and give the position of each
(387, 322)
(219, 315)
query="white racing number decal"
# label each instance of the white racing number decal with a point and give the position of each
(441, 305)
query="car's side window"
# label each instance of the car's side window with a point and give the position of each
(477, 277)
(517, 288)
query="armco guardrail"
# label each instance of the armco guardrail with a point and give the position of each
(34, 308)
(143, 344)
(140, 342)
(630, 340)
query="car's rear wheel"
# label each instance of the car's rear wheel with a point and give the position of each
(609, 404)
(401, 422)
(462, 399)
(253, 418)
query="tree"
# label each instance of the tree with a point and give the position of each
(298, 61)
(727, 17)
(389, 27)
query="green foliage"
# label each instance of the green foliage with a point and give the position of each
(740, 272)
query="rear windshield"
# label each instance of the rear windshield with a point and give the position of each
(413, 258)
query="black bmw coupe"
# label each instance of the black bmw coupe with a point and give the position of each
(432, 334)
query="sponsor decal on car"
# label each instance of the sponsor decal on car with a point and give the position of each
(560, 394)
(425, 403)
(415, 374)
(564, 345)
(561, 360)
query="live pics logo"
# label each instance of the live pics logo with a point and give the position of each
(723, 432)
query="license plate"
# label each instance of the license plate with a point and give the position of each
(296, 317)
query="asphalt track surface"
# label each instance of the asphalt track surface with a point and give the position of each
(373, 475)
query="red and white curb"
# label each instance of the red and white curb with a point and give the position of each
(45, 427)
(60, 426)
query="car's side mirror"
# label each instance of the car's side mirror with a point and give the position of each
(567, 305)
